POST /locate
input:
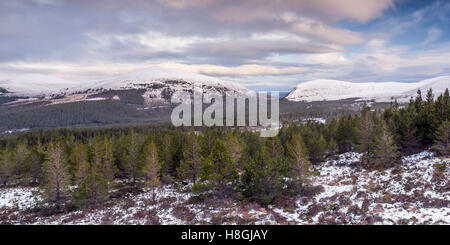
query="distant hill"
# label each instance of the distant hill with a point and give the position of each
(330, 90)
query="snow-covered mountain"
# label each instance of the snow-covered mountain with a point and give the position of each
(35, 85)
(156, 84)
(319, 90)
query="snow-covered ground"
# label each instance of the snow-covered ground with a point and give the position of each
(415, 192)
(324, 89)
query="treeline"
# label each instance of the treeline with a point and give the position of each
(83, 166)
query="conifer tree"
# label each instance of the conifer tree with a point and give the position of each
(132, 161)
(152, 168)
(298, 159)
(93, 190)
(344, 133)
(191, 165)
(35, 161)
(82, 172)
(56, 177)
(108, 169)
(78, 158)
(264, 177)
(408, 130)
(366, 135)
(20, 155)
(442, 142)
(333, 148)
(235, 149)
(7, 167)
(218, 168)
(385, 150)
(317, 148)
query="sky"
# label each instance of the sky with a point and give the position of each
(261, 44)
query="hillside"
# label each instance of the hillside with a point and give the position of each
(330, 90)
(413, 193)
(142, 96)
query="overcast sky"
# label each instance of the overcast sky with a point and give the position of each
(263, 44)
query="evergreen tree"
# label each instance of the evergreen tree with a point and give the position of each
(442, 142)
(78, 158)
(93, 190)
(35, 161)
(152, 168)
(235, 149)
(298, 159)
(56, 177)
(132, 160)
(408, 130)
(344, 133)
(7, 167)
(219, 170)
(108, 169)
(20, 155)
(385, 150)
(333, 148)
(366, 134)
(191, 165)
(264, 177)
(82, 172)
(317, 148)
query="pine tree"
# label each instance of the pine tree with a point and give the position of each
(35, 161)
(93, 190)
(344, 133)
(7, 167)
(333, 148)
(82, 172)
(56, 177)
(442, 139)
(317, 148)
(418, 102)
(218, 168)
(365, 135)
(20, 155)
(167, 154)
(385, 150)
(191, 165)
(408, 130)
(132, 161)
(235, 149)
(108, 169)
(264, 177)
(78, 158)
(152, 168)
(298, 159)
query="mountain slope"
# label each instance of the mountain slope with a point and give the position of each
(319, 90)
(156, 84)
(35, 85)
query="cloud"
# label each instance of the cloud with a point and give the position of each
(323, 32)
(432, 35)
(242, 70)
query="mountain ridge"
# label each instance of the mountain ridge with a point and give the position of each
(329, 90)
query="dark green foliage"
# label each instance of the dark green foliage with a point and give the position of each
(93, 190)
(442, 142)
(219, 170)
(263, 178)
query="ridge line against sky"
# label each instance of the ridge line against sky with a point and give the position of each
(262, 44)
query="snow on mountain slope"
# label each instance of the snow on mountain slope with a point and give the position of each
(158, 85)
(318, 90)
(34, 85)
(156, 75)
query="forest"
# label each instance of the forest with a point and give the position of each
(76, 168)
